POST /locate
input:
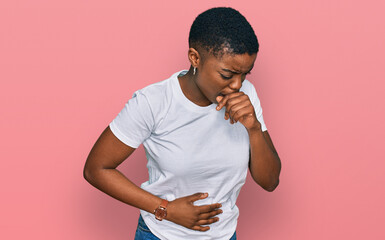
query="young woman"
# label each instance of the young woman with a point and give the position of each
(201, 130)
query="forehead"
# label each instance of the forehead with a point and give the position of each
(240, 63)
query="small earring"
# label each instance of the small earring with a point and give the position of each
(194, 70)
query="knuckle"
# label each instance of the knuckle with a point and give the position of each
(192, 224)
(197, 211)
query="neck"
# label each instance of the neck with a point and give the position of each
(191, 90)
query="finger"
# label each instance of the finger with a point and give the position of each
(208, 221)
(197, 196)
(208, 208)
(243, 113)
(202, 229)
(233, 100)
(236, 108)
(237, 103)
(219, 98)
(232, 111)
(223, 100)
(227, 116)
(205, 216)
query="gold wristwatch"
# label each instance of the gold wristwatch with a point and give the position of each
(161, 211)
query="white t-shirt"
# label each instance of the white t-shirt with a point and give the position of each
(189, 149)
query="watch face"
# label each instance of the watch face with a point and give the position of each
(160, 213)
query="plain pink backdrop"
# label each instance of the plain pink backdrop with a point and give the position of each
(68, 67)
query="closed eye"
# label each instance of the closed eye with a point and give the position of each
(225, 77)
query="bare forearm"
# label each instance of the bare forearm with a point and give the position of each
(115, 184)
(265, 165)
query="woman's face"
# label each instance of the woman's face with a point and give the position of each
(219, 76)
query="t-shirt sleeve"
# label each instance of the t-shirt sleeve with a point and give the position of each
(134, 123)
(257, 107)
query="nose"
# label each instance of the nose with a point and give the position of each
(236, 84)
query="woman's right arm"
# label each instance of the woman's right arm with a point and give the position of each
(100, 171)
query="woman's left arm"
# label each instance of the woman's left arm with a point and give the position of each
(264, 163)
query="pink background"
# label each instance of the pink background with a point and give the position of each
(68, 67)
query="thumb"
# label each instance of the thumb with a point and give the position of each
(198, 196)
(219, 98)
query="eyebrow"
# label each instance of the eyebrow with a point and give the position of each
(235, 72)
(227, 70)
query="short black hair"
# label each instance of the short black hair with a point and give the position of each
(220, 28)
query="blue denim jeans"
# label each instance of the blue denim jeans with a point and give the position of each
(144, 233)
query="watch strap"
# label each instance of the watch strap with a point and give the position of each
(164, 203)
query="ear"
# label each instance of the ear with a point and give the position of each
(194, 57)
